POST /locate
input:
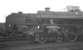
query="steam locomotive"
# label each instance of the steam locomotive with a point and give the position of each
(46, 25)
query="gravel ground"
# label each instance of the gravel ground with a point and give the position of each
(24, 45)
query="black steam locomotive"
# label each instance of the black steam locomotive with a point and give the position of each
(46, 25)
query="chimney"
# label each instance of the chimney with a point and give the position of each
(47, 9)
(20, 12)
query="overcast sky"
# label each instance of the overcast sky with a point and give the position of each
(32, 6)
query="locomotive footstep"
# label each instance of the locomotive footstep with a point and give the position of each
(59, 39)
(72, 37)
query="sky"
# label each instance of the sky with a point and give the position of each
(32, 6)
